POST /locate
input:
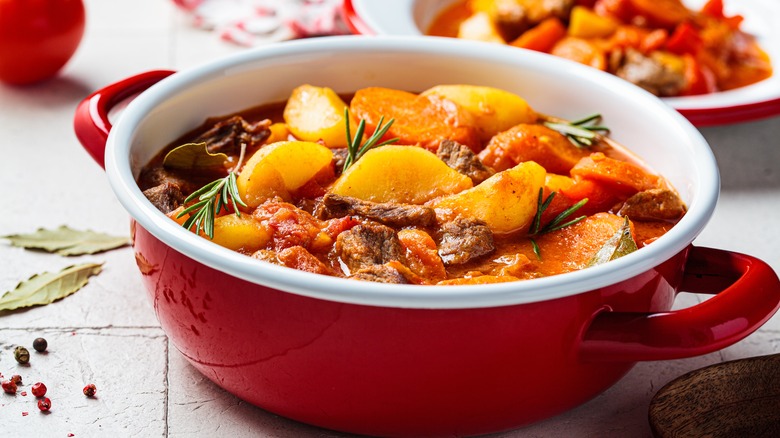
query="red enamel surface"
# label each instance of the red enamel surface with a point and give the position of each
(391, 371)
(91, 120)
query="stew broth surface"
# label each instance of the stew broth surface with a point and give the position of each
(304, 228)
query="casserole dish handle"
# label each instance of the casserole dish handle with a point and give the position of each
(91, 121)
(746, 294)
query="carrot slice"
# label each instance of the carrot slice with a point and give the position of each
(421, 120)
(543, 37)
(662, 13)
(620, 175)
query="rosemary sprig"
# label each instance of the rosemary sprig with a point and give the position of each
(556, 224)
(581, 133)
(211, 199)
(354, 149)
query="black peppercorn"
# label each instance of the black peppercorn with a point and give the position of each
(40, 345)
(21, 355)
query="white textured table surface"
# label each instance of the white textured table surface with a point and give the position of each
(107, 333)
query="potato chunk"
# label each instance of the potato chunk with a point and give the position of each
(405, 174)
(494, 110)
(279, 168)
(506, 201)
(480, 27)
(316, 113)
(240, 233)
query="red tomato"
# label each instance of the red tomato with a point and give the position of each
(37, 37)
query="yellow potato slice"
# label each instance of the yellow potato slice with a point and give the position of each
(494, 110)
(316, 113)
(480, 27)
(406, 174)
(279, 168)
(585, 23)
(240, 233)
(506, 201)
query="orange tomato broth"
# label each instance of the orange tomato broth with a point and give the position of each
(514, 257)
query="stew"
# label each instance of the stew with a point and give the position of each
(459, 184)
(659, 45)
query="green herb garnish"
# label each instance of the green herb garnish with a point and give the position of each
(354, 149)
(556, 224)
(212, 198)
(581, 133)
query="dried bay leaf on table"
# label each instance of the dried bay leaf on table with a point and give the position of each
(194, 156)
(45, 288)
(621, 243)
(67, 241)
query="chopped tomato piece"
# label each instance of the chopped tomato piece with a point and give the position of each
(685, 39)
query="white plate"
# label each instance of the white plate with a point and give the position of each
(762, 19)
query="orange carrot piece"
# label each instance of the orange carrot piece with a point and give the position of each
(421, 120)
(537, 143)
(662, 13)
(543, 37)
(622, 176)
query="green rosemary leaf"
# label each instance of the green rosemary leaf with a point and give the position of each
(537, 251)
(588, 119)
(564, 214)
(354, 148)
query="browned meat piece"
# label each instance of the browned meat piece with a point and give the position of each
(650, 74)
(368, 244)
(653, 205)
(462, 159)
(514, 17)
(154, 176)
(388, 213)
(226, 136)
(166, 197)
(463, 240)
(388, 273)
(339, 158)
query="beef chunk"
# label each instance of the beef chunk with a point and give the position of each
(653, 205)
(387, 273)
(514, 17)
(463, 240)
(166, 197)
(155, 176)
(368, 244)
(339, 158)
(462, 159)
(388, 213)
(226, 136)
(650, 74)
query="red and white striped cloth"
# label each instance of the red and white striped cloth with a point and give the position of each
(253, 22)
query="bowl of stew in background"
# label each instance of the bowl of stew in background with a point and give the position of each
(413, 360)
(730, 80)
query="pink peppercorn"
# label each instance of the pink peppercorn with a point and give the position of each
(39, 389)
(9, 386)
(44, 404)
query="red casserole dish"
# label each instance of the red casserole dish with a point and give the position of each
(400, 360)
